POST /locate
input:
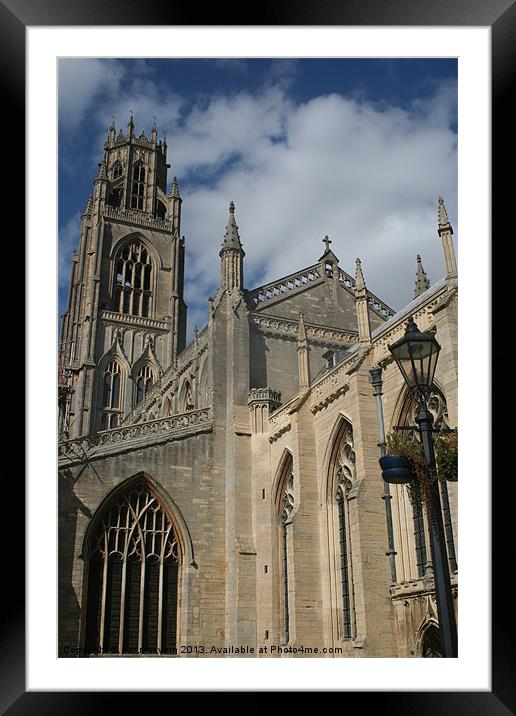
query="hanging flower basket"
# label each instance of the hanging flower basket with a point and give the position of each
(396, 469)
(446, 456)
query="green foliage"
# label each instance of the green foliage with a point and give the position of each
(446, 456)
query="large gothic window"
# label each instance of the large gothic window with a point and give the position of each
(111, 396)
(342, 477)
(133, 292)
(144, 382)
(133, 563)
(138, 187)
(286, 506)
(437, 406)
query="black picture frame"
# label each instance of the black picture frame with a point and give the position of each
(500, 16)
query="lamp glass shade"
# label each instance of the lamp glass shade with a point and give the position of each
(416, 355)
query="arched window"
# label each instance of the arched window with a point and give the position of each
(286, 505)
(138, 187)
(342, 477)
(132, 291)
(431, 643)
(132, 573)
(111, 396)
(144, 382)
(117, 171)
(437, 406)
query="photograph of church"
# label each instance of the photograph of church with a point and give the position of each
(220, 492)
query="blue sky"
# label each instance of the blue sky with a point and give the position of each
(357, 149)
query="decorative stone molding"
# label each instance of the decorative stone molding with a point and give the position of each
(329, 398)
(138, 218)
(286, 327)
(284, 429)
(134, 436)
(267, 395)
(123, 319)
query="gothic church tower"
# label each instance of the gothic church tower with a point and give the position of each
(126, 318)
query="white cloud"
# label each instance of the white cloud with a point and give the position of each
(368, 175)
(68, 243)
(368, 178)
(80, 81)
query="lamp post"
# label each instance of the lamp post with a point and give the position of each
(416, 356)
(376, 380)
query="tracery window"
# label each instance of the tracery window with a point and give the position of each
(138, 187)
(111, 396)
(286, 506)
(133, 564)
(132, 291)
(343, 469)
(144, 382)
(117, 171)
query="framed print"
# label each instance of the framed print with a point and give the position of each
(216, 491)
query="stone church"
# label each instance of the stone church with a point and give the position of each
(225, 497)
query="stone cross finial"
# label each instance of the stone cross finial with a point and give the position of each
(327, 241)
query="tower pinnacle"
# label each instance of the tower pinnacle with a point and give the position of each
(422, 280)
(231, 236)
(361, 305)
(232, 255)
(445, 231)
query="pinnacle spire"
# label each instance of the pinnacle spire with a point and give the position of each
(302, 356)
(445, 231)
(102, 171)
(89, 205)
(422, 280)
(231, 236)
(442, 214)
(175, 188)
(359, 276)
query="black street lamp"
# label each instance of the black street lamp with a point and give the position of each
(416, 355)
